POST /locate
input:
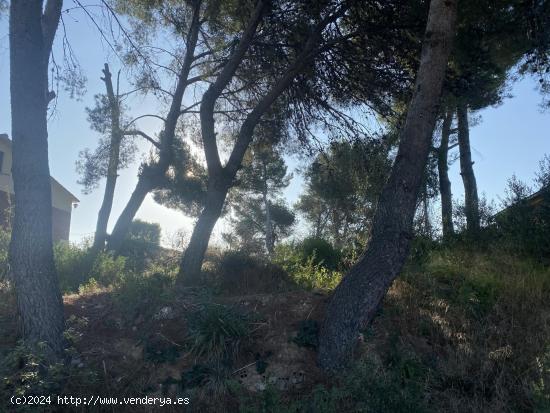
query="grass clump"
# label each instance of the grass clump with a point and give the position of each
(217, 332)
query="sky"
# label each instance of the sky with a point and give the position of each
(510, 139)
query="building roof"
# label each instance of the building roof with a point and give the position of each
(5, 138)
(532, 200)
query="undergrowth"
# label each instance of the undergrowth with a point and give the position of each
(459, 331)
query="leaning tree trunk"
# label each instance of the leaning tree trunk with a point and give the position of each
(444, 182)
(221, 178)
(114, 160)
(471, 199)
(31, 252)
(151, 175)
(143, 187)
(356, 299)
(191, 263)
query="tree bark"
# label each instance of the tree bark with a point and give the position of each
(471, 199)
(269, 239)
(152, 174)
(31, 251)
(143, 187)
(355, 301)
(426, 213)
(191, 263)
(444, 182)
(112, 168)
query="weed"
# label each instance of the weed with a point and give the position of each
(217, 332)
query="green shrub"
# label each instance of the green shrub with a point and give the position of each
(526, 227)
(323, 253)
(308, 273)
(484, 312)
(139, 294)
(108, 269)
(238, 272)
(73, 265)
(76, 265)
(141, 245)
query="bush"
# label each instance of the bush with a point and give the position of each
(484, 311)
(314, 276)
(73, 266)
(526, 227)
(141, 245)
(308, 273)
(77, 265)
(138, 294)
(238, 272)
(323, 252)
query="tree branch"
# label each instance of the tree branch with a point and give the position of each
(143, 135)
(215, 90)
(247, 129)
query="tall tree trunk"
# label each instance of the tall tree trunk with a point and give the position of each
(152, 174)
(356, 299)
(114, 160)
(317, 232)
(444, 182)
(426, 213)
(471, 198)
(269, 240)
(191, 263)
(31, 254)
(143, 187)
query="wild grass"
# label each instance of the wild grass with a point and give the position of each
(459, 331)
(479, 322)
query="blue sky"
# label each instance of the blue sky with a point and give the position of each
(511, 138)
